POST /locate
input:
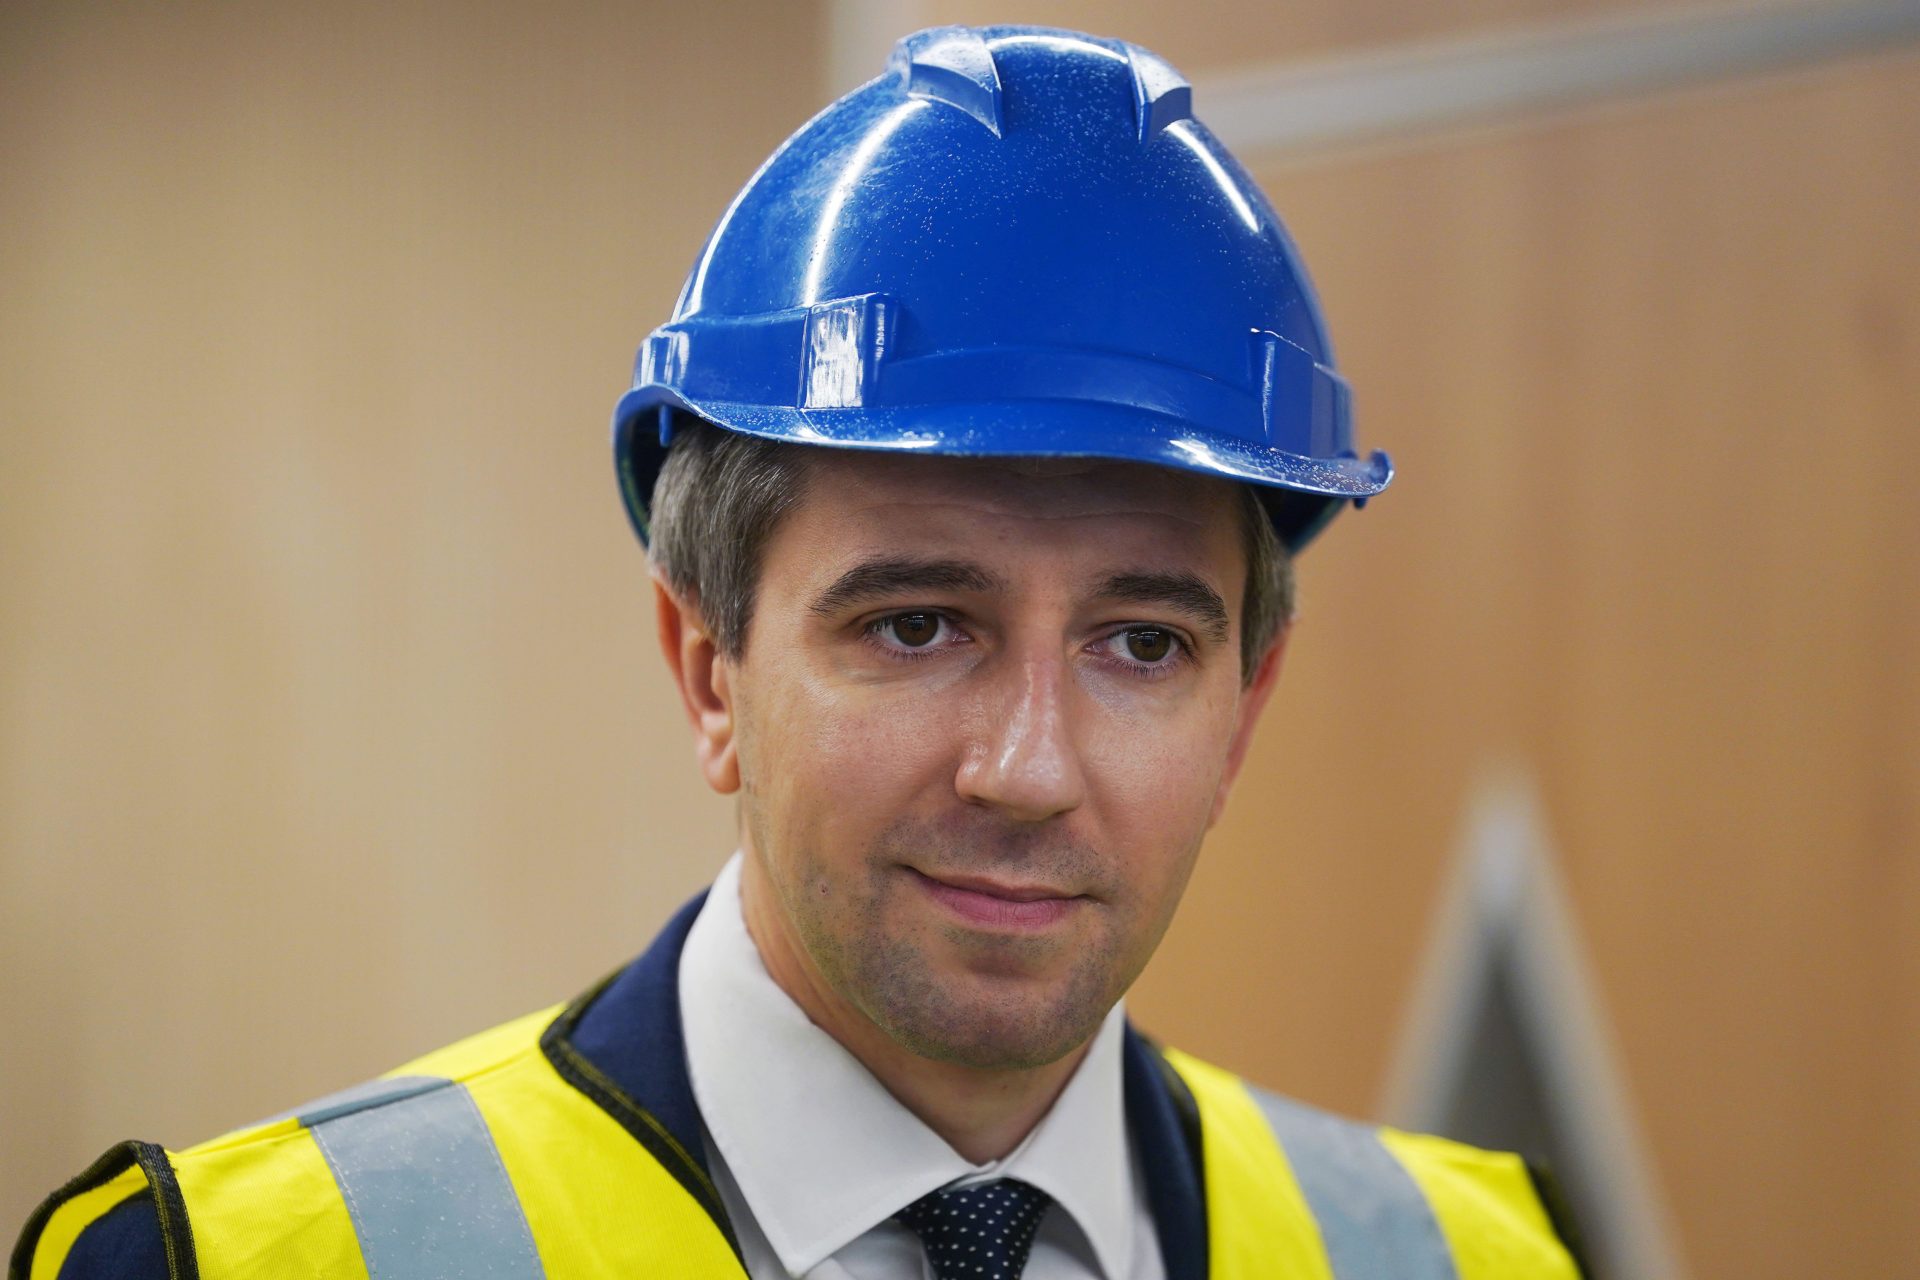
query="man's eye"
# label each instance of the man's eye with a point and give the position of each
(1147, 646)
(912, 630)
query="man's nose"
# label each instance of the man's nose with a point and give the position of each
(1022, 759)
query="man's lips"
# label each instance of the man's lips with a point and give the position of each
(996, 905)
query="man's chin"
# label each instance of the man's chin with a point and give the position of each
(993, 1034)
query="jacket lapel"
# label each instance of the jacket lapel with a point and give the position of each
(631, 1032)
(1166, 1130)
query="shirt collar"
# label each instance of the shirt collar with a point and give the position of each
(780, 1097)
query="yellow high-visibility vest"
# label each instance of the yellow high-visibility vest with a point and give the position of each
(509, 1154)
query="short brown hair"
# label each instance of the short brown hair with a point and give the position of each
(721, 494)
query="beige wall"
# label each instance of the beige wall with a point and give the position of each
(1227, 32)
(1650, 374)
(329, 721)
(330, 724)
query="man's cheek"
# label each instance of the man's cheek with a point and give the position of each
(881, 741)
(1147, 771)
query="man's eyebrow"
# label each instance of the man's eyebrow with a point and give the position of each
(893, 575)
(1186, 592)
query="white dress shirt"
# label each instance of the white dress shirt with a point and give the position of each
(813, 1156)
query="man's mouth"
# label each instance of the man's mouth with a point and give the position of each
(997, 904)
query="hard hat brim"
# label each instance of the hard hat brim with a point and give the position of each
(1303, 492)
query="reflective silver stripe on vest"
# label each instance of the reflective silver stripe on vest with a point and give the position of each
(424, 1185)
(1374, 1220)
(370, 1093)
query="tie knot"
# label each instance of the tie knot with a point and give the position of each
(982, 1232)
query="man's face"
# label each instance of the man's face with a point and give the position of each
(986, 712)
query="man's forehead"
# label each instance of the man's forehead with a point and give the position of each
(850, 483)
(871, 526)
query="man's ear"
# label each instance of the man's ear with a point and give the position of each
(703, 676)
(1253, 699)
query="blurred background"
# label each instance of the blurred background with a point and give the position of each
(1587, 816)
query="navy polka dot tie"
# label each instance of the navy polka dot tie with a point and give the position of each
(982, 1232)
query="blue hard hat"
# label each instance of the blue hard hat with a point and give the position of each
(1017, 242)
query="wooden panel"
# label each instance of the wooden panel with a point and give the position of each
(1226, 33)
(330, 721)
(1650, 377)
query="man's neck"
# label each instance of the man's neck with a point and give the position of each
(982, 1113)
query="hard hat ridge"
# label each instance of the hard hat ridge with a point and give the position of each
(951, 65)
(1016, 241)
(956, 65)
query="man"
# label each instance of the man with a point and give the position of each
(972, 465)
